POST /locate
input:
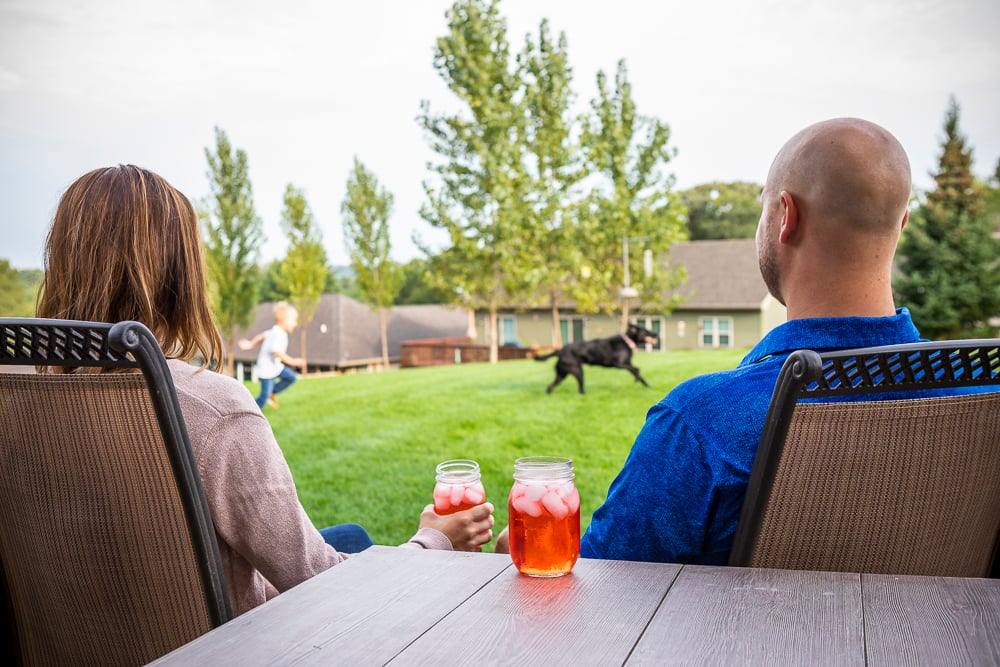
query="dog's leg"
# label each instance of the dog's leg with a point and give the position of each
(578, 374)
(560, 376)
(635, 373)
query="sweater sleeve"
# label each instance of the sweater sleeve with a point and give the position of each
(429, 538)
(255, 506)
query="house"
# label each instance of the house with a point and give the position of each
(344, 333)
(726, 305)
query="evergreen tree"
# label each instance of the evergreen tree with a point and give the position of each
(366, 210)
(233, 235)
(948, 256)
(303, 272)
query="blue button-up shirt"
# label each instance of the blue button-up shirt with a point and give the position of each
(678, 496)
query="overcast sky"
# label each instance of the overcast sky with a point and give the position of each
(305, 85)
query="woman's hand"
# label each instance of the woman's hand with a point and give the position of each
(468, 530)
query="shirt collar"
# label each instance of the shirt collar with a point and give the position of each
(834, 333)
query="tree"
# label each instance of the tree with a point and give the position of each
(416, 285)
(479, 199)
(991, 198)
(233, 235)
(17, 296)
(552, 168)
(632, 205)
(303, 272)
(720, 210)
(949, 257)
(366, 210)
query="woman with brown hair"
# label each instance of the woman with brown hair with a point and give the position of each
(124, 245)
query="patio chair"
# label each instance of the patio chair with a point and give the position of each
(108, 554)
(907, 484)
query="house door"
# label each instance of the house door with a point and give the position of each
(571, 329)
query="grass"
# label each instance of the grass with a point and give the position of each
(364, 447)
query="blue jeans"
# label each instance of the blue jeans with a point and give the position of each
(268, 386)
(348, 538)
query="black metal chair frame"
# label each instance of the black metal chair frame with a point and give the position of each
(130, 345)
(806, 374)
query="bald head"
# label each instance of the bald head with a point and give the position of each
(834, 205)
(848, 172)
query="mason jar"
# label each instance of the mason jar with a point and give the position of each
(544, 516)
(459, 486)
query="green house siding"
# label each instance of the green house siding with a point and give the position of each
(681, 330)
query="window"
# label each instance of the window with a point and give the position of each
(657, 326)
(715, 332)
(571, 329)
(508, 330)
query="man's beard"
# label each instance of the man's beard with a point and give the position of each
(769, 266)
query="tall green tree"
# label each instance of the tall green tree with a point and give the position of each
(633, 209)
(478, 195)
(948, 256)
(303, 272)
(366, 210)
(233, 234)
(552, 168)
(719, 210)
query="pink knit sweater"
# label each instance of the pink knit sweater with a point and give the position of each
(266, 541)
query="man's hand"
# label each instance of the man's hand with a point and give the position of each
(503, 541)
(468, 530)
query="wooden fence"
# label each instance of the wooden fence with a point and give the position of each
(456, 350)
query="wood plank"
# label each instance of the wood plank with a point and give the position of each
(360, 612)
(931, 620)
(741, 616)
(592, 616)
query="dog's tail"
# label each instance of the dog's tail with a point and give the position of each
(543, 357)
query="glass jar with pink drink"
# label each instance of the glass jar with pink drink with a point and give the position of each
(459, 486)
(544, 512)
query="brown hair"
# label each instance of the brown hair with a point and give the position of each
(124, 245)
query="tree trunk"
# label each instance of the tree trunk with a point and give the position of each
(556, 329)
(231, 352)
(624, 322)
(385, 338)
(494, 347)
(302, 346)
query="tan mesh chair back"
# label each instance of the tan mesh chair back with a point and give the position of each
(890, 484)
(107, 548)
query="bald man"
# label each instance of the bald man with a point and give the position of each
(834, 205)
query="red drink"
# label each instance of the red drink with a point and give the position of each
(458, 487)
(544, 508)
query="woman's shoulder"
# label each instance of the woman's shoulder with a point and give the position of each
(220, 393)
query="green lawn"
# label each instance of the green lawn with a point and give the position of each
(363, 447)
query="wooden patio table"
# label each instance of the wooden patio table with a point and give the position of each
(404, 607)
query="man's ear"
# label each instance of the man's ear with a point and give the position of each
(789, 217)
(906, 218)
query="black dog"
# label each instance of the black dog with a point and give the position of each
(614, 352)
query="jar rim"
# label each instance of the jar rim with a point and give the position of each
(542, 461)
(457, 470)
(543, 467)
